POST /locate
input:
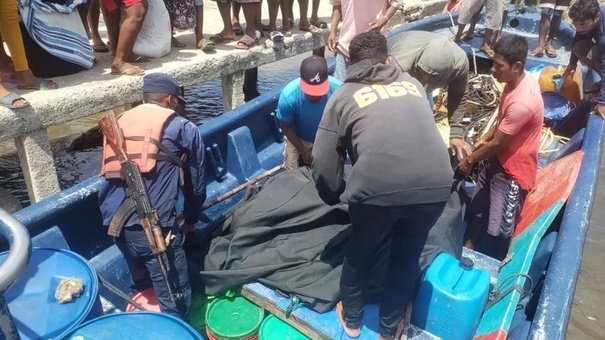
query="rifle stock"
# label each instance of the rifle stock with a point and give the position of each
(137, 192)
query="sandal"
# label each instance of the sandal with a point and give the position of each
(551, 52)
(276, 36)
(9, 100)
(238, 29)
(131, 71)
(314, 30)
(488, 51)
(246, 43)
(219, 39)
(536, 53)
(206, 46)
(140, 59)
(100, 48)
(319, 24)
(39, 84)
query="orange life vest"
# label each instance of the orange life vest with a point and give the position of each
(142, 128)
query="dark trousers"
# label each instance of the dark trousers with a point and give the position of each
(145, 270)
(407, 228)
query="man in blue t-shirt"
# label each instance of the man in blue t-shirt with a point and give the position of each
(300, 108)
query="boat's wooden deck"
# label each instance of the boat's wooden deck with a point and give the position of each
(326, 326)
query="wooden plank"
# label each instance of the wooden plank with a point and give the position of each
(321, 326)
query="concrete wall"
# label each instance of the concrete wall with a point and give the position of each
(94, 91)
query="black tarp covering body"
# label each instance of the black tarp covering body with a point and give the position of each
(283, 235)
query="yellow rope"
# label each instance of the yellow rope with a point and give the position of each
(548, 138)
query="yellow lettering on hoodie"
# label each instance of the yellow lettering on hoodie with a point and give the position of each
(370, 94)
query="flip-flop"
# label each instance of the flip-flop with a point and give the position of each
(319, 24)
(551, 53)
(312, 29)
(9, 100)
(133, 71)
(100, 48)
(276, 36)
(206, 46)
(238, 29)
(219, 39)
(246, 43)
(140, 59)
(488, 52)
(40, 84)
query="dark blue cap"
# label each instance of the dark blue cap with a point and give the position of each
(162, 83)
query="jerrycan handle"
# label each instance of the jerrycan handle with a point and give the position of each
(466, 263)
(557, 79)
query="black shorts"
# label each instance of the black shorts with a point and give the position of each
(557, 5)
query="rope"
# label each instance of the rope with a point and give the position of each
(119, 293)
(548, 138)
(484, 94)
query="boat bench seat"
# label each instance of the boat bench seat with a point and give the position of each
(50, 238)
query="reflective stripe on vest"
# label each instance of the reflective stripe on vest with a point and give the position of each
(142, 128)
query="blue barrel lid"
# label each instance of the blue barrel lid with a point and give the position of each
(31, 299)
(135, 325)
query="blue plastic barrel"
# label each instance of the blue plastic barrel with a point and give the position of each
(31, 299)
(135, 325)
(451, 298)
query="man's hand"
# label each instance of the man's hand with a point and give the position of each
(460, 148)
(332, 41)
(307, 156)
(465, 166)
(569, 71)
(188, 228)
(377, 25)
(600, 110)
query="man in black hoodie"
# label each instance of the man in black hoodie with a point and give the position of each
(399, 183)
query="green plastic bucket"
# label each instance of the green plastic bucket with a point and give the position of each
(233, 318)
(197, 317)
(273, 328)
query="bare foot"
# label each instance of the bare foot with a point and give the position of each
(487, 50)
(126, 69)
(27, 80)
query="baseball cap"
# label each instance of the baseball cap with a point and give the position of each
(162, 83)
(314, 76)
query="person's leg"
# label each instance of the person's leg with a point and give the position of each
(544, 28)
(128, 244)
(493, 22)
(250, 10)
(200, 42)
(314, 13)
(407, 242)
(371, 225)
(499, 33)
(83, 11)
(236, 9)
(11, 34)
(227, 34)
(469, 14)
(552, 33)
(479, 208)
(127, 36)
(94, 13)
(285, 17)
(303, 23)
(273, 11)
(291, 156)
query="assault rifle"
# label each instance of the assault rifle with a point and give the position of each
(138, 195)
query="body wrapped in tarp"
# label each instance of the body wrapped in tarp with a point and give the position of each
(284, 236)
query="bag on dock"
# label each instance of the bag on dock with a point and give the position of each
(154, 39)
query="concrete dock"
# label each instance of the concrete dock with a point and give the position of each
(96, 90)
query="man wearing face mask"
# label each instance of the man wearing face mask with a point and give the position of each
(169, 152)
(436, 62)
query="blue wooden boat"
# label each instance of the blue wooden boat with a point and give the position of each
(246, 142)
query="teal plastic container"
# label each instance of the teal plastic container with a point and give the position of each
(451, 298)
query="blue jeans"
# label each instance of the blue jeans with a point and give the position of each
(145, 270)
(340, 70)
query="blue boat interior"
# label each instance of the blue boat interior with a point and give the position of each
(246, 142)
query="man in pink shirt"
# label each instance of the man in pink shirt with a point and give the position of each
(357, 16)
(510, 152)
